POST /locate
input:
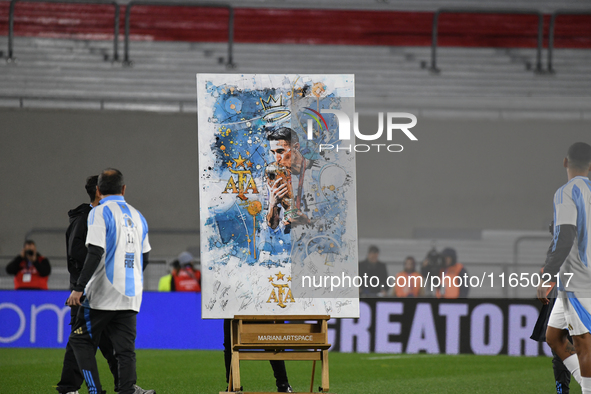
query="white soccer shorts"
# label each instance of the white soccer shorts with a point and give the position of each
(565, 316)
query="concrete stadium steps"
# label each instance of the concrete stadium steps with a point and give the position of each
(188, 51)
(493, 253)
(163, 73)
(182, 51)
(495, 246)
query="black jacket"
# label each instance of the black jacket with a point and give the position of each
(41, 264)
(373, 269)
(76, 241)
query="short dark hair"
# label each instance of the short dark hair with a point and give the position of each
(110, 181)
(29, 242)
(90, 186)
(451, 253)
(579, 156)
(283, 134)
(412, 259)
(373, 249)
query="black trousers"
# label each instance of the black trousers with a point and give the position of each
(561, 375)
(120, 326)
(72, 378)
(278, 365)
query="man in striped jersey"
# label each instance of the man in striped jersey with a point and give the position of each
(569, 256)
(112, 282)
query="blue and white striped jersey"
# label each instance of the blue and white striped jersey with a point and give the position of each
(572, 206)
(122, 232)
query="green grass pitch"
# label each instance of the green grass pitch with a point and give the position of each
(31, 371)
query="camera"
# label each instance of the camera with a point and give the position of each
(434, 262)
(29, 252)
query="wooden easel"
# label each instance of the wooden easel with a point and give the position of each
(270, 338)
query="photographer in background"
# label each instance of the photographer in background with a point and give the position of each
(445, 264)
(30, 269)
(431, 267)
(451, 269)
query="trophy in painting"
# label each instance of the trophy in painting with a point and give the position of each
(275, 171)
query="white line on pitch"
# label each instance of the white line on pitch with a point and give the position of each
(400, 356)
(422, 355)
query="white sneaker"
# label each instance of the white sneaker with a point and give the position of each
(139, 390)
(72, 392)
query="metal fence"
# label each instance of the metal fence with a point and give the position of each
(116, 22)
(525, 259)
(229, 63)
(230, 60)
(11, 57)
(552, 30)
(60, 277)
(512, 11)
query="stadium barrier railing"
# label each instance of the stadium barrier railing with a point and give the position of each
(230, 64)
(230, 61)
(460, 10)
(11, 57)
(159, 268)
(51, 239)
(59, 230)
(116, 19)
(551, 33)
(59, 278)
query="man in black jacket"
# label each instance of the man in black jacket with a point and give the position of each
(369, 268)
